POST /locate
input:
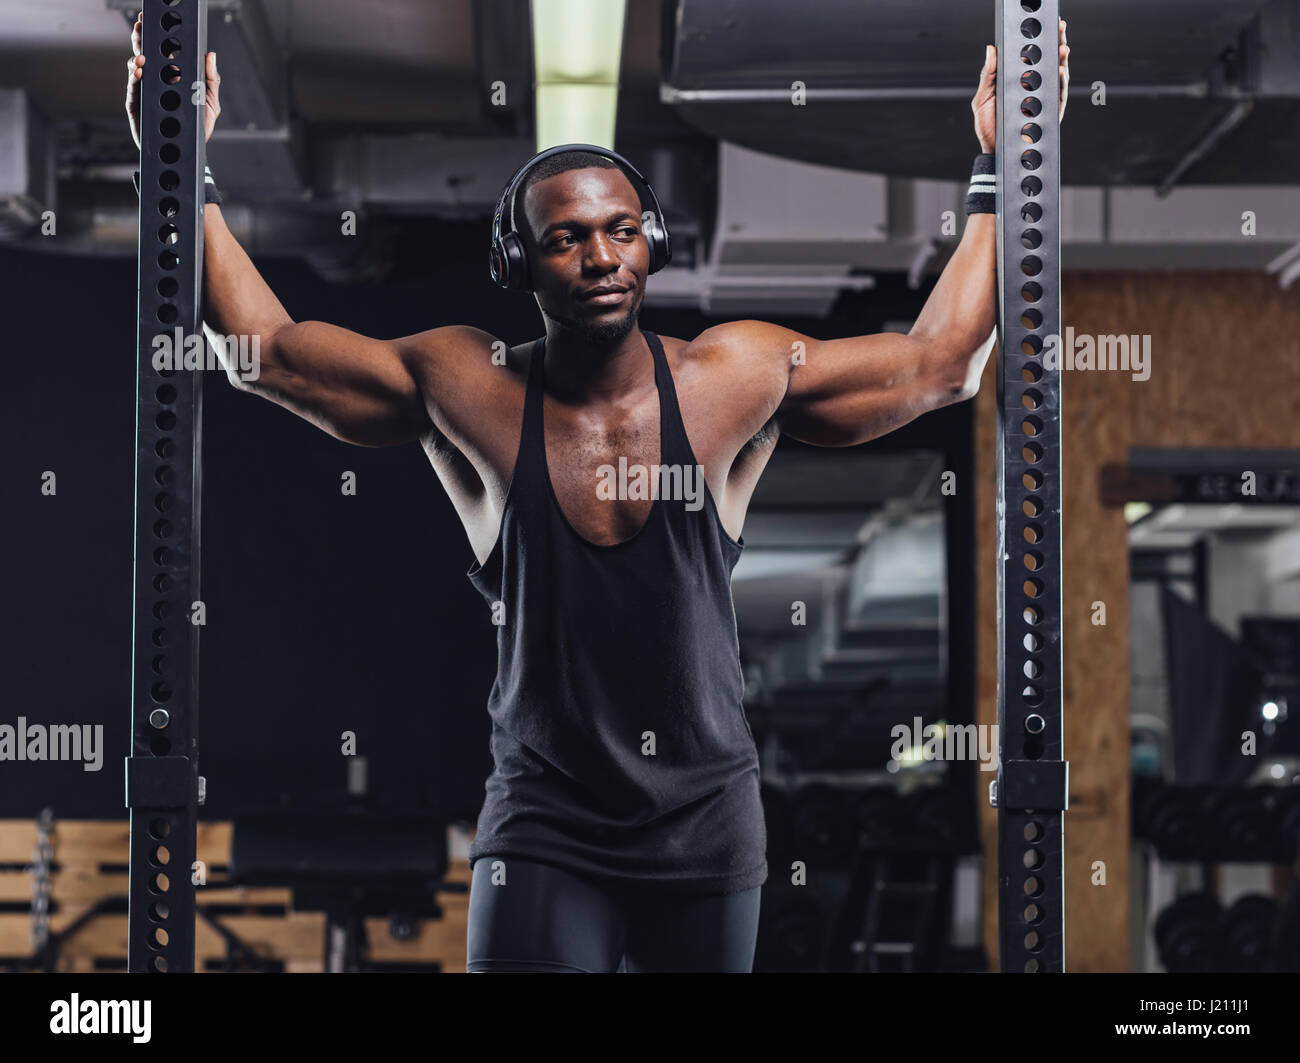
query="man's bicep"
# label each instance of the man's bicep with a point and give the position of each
(850, 390)
(358, 389)
(395, 392)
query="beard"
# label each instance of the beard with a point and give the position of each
(600, 335)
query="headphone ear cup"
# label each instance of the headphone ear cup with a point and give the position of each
(516, 263)
(497, 268)
(660, 250)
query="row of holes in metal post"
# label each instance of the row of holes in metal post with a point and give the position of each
(169, 180)
(1032, 452)
(165, 420)
(160, 857)
(1031, 398)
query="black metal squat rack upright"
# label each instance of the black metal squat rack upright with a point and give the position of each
(162, 782)
(1032, 783)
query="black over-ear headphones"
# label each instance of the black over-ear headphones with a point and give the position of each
(507, 262)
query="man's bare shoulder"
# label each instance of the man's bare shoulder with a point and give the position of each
(756, 350)
(459, 347)
(463, 359)
(730, 380)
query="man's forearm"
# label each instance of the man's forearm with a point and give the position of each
(959, 316)
(236, 300)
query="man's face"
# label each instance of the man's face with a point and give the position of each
(583, 235)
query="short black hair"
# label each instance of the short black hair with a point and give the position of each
(549, 167)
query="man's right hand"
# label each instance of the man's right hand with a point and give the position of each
(135, 71)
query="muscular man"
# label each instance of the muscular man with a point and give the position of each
(622, 828)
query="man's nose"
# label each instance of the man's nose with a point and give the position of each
(600, 255)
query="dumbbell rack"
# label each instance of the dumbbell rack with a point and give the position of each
(1182, 832)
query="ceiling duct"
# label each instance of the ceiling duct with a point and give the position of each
(1192, 87)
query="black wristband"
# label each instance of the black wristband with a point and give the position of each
(210, 192)
(982, 196)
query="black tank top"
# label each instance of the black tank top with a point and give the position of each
(619, 737)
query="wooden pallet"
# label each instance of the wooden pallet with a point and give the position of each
(91, 858)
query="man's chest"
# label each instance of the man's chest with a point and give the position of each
(604, 465)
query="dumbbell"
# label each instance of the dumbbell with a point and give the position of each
(1244, 824)
(1248, 933)
(1189, 934)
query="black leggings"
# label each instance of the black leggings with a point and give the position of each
(544, 919)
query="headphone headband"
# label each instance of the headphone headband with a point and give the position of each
(508, 264)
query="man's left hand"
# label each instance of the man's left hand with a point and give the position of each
(984, 105)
